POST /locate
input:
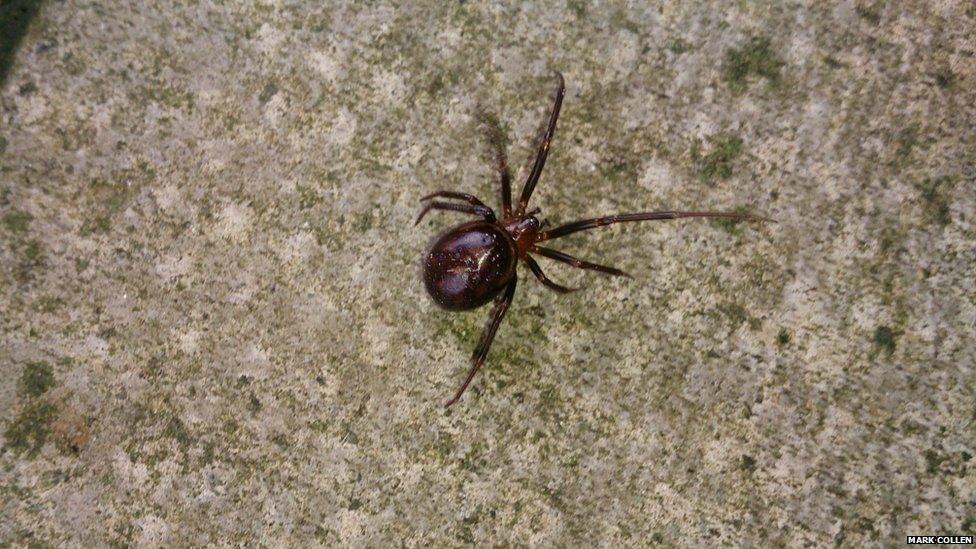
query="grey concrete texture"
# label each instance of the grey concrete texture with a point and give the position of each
(213, 329)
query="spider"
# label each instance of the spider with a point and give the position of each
(474, 263)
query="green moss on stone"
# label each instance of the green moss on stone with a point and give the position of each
(254, 404)
(28, 432)
(308, 197)
(737, 314)
(17, 221)
(33, 252)
(677, 46)
(443, 446)
(37, 378)
(754, 58)
(108, 199)
(73, 64)
(869, 12)
(464, 327)
(620, 171)
(619, 19)
(885, 339)
(49, 303)
(96, 224)
(270, 89)
(729, 225)
(15, 16)
(176, 430)
(935, 203)
(717, 163)
(944, 77)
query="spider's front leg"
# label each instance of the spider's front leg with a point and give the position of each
(545, 140)
(473, 206)
(502, 303)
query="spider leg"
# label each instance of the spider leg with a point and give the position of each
(469, 198)
(579, 263)
(487, 335)
(537, 271)
(503, 177)
(585, 224)
(543, 149)
(482, 210)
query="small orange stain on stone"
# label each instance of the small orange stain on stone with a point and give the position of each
(71, 431)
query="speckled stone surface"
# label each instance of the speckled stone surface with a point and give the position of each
(213, 330)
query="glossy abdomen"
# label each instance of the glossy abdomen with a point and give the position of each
(467, 266)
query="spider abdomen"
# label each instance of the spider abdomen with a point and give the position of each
(468, 265)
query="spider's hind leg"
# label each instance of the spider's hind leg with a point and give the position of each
(502, 303)
(578, 263)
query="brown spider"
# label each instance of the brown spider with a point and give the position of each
(474, 262)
